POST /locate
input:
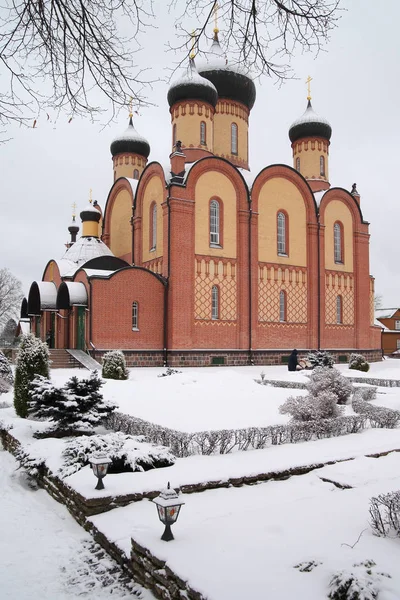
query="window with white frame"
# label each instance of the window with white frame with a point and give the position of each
(337, 243)
(282, 306)
(339, 309)
(203, 132)
(281, 233)
(214, 303)
(153, 231)
(397, 324)
(398, 344)
(214, 223)
(234, 138)
(135, 315)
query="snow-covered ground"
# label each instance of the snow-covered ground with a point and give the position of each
(198, 399)
(44, 553)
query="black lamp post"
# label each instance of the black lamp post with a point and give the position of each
(99, 463)
(168, 506)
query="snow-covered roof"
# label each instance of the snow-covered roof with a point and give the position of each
(247, 176)
(98, 272)
(76, 291)
(216, 60)
(310, 116)
(25, 327)
(189, 74)
(83, 250)
(385, 313)
(42, 296)
(65, 266)
(318, 196)
(130, 135)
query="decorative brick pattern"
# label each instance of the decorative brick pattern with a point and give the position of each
(155, 265)
(271, 280)
(339, 284)
(210, 272)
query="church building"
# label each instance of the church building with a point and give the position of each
(205, 263)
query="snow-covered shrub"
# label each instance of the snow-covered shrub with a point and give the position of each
(320, 358)
(127, 453)
(324, 379)
(363, 582)
(384, 511)
(169, 371)
(5, 386)
(114, 365)
(358, 362)
(312, 408)
(33, 465)
(76, 407)
(5, 370)
(32, 360)
(366, 393)
(378, 416)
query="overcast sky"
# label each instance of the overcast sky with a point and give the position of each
(355, 86)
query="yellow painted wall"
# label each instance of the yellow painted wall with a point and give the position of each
(336, 210)
(278, 193)
(222, 132)
(153, 193)
(90, 229)
(187, 118)
(309, 152)
(121, 230)
(125, 164)
(208, 186)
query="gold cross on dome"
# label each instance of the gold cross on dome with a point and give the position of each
(216, 30)
(192, 52)
(74, 205)
(308, 81)
(90, 196)
(130, 107)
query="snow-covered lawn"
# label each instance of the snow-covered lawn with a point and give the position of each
(44, 553)
(243, 543)
(199, 399)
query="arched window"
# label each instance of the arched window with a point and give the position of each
(282, 233)
(234, 138)
(282, 306)
(153, 226)
(298, 164)
(135, 315)
(338, 242)
(136, 174)
(339, 310)
(215, 220)
(322, 165)
(203, 132)
(214, 303)
(174, 135)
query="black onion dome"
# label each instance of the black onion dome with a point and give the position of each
(74, 227)
(231, 80)
(130, 142)
(310, 125)
(191, 86)
(90, 214)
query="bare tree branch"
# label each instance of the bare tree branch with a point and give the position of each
(10, 296)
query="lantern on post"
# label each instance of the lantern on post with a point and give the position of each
(99, 463)
(168, 507)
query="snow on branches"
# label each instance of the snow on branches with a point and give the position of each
(384, 511)
(6, 376)
(32, 360)
(114, 365)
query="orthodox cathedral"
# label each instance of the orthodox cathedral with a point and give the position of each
(204, 263)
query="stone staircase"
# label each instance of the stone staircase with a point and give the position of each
(61, 359)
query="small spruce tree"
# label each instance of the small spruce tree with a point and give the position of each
(320, 358)
(114, 365)
(5, 369)
(32, 360)
(358, 362)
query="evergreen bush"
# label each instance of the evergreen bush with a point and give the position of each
(114, 365)
(312, 408)
(329, 379)
(5, 369)
(358, 362)
(32, 360)
(320, 358)
(77, 407)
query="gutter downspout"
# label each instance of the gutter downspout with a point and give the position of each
(166, 288)
(250, 290)
(90, 319)
(319, 284)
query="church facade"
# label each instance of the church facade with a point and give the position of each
(204, 263)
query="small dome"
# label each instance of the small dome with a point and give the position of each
(90, 213)
(84, 250)
(232, 81)
(74, 227)
(310, 125)
(191, 86)
(130, 141)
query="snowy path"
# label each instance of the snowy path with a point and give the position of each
(44, 554)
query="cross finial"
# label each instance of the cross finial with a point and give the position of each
(90, 196)
(73, 210)
(216, 30)
(130, 107)
(308, 81)
(192, 52)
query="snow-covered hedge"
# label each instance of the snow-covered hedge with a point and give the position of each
(229, 440)
(384, 511)
(127, 453)
(358, 362)
(378, 416)
(329, 379)
(320, 358)
(366, 393)
(114, 365)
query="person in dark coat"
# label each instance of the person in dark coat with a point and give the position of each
(293, 362)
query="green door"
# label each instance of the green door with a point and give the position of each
(80, 328)
(53, 330)
(37, 326)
